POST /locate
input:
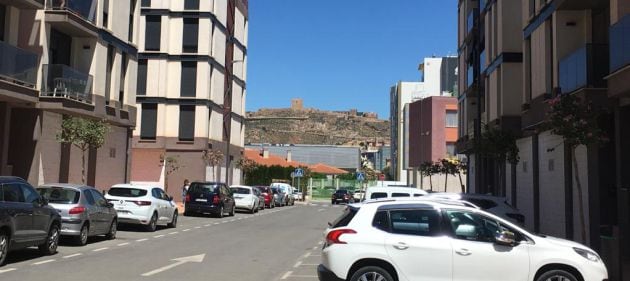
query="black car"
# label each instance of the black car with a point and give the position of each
(341, 195)
(209, 198)
(26, 219)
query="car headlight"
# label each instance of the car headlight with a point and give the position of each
(587, 254)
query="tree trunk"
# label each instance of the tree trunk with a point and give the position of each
(578, 185)
(83, 165)
(459, 174)
(445, 181)
(430, 182)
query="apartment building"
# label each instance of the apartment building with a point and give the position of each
(514, 66)
(191, 90)
(61, 59)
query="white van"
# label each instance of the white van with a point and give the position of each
(287, 189)
(390, 192)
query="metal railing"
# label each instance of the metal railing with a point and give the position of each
(18, 65)
(620, 44)
(83, 8)
(62, 81)
(586, 67)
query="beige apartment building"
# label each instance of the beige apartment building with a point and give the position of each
(61, 59)
(517, 55)
(191, 90)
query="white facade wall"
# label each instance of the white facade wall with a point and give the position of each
(432, 76)
(551, 168)
(581, 156)
(524, 181)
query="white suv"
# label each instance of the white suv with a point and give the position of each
(142, 204)
(409, 240)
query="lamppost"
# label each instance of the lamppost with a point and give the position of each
(228, 110)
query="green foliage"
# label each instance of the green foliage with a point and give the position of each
(263, 175)
(83, 133)
(498, 143)
(575, 120)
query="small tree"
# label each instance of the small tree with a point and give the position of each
(247, 166)
(428, 169)
(170, 165)
(449, 167)
(462, 167)
(83, 134)
(212, 158)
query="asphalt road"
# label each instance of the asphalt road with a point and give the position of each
(275, 244)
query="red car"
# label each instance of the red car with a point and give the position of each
(268, 195)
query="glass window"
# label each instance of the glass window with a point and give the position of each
(105, 13)
(30, 194)
(2, 19)
(415, 222)
(470, 226)
(132, 10)
(240, 190)
(89, 197)
(126, 192)
(345, 218)
(191, 5)
(381, 220)
(401, 195)
(451, 118)
(191, 35)
(146, 3)
(123, 77)
(12, 193)
(450, 149)
(377, 195)
(141, 88)
(153, 33)
(186, 122)
(188, 79)
(201, 187)
(148, 126)
(60, 195)
(156, 193)
(111, 53)
(98, 197)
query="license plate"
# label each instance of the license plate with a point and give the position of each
(120, 208)
(238, 197)
(201, 200)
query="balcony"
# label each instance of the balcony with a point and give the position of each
(64, 82)
(74, 17)
(18, 66)
(620, 44)
(584, 68)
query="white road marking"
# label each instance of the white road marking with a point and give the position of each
(158, 236)
(320, 242)
(315, 248)
(142, 240)
(173, 233)
(216, 223)
(286, 275)
(123, 244)
(207, 225)
(187, 229)
(72, 256)
(308, 254)
(304, 276)
(7, 270)
(297, 264)
(321, 210)
(178, 262)
(43, 262)
(100, 249)
(197, 227)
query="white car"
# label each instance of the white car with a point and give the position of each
(245, 198)
(409, 240)
(493, 204)
(143, 204)
(393, 192)
(358, 195)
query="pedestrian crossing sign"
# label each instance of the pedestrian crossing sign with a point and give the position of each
(298, 173)
(360, 176)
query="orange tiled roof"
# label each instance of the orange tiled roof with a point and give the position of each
(327, 170)
(272, 160)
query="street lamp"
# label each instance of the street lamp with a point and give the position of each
(228, 110)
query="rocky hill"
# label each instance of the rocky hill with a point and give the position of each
(311, 126)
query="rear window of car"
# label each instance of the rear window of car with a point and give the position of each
(60, 195)
(377, 195)
(381, 220)
(400, 194)
(240, 190)
(415, 222)
(341, 191)
(345, 218)
(274, 190)
(200, 187)
(482, 203)
(126, 192)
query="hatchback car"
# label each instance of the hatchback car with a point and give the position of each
(261, 197)
(341, 196)
(209, 198)
(278, 197)
(83, 209)
(143, 204)
(26, 219)
(287, 191)
(245, 198)
(268, 196)
(407, 239)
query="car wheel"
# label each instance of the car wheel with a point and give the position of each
(4, 247)
(371, 273)
(152, 226)
(49, 247)
(113, 229)
(82, 239)
(557, 274)
(173, 223)
(231, 214)
(220, 213)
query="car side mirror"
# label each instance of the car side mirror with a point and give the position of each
(505, 238)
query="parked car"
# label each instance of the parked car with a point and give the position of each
(84, 211)
(393, 192)
(358, 195)
(278, 197)
(298, 196)
(261, 197)
(287, 190)
(493, 204)
(407, 239)
(209, 198)
(341, 196)
(245, 198)
(268, 195)
(143, 204)
(26, 219)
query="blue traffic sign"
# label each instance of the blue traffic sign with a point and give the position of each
(360, 176)
(298, 173)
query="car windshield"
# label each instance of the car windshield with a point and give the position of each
(60, 195)
(241, 190)
(197, 187)
(126, 192)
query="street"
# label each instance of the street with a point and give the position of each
(274, 244)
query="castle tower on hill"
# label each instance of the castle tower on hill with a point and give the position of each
(297, 104)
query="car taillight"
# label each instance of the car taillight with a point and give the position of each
(77, 210)
(265, 194)
(333, 236)
(215, 200)
(187, 198)
(142, 203)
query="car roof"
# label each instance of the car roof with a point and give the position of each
(395, 189)
(426, 201)
(138, 186)
(67, 185)
(240, 186)
(5, 179)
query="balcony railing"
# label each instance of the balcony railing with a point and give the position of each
(61, 81)
(586, 67)
(83, 8)
(620, 44)
(17, 65)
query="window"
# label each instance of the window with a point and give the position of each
(12, 193)
(381, 220)
(415, 222)
(377, 195)
(191, 35)
(29, 193)
(191, 5)
(156, 193)
(345, 218)
(123, 77)
(60, 195)
(3, 10)
(132, 10)
(100, 200)
(105, 13)
(153, 33)
(148, 126)
(145, 3)
(111, 52)
(89, 197)
(400, 195)
(451, 119)
(189, 79)
(186, 122)
(450, 149)
(126, 192)
(473, 227)
(141, 87)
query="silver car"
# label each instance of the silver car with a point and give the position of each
(84, 211)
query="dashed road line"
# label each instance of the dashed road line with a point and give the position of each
(197, 227)
(44, 262)
(286, 275)
(72, 256)
(7, 270)
(158, 236)
(100, 249)
(142, 240)
(297, 264)
(173, 233)
(308, 254)
(123, 244)
(207, 225)
(185, 230)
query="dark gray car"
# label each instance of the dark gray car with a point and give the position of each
(84, 211)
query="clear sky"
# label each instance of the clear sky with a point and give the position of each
(342, 54)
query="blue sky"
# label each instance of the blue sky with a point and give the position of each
(342, 54)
